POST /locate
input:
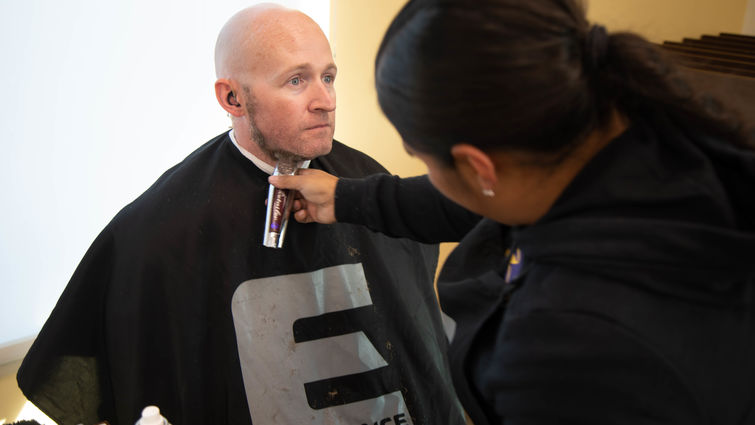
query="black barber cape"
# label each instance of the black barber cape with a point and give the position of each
(178, 304)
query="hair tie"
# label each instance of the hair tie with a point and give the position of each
(596, 45)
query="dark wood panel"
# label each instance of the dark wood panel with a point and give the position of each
(728, 41)
(716, 45)
(711, 52)
(740, 37)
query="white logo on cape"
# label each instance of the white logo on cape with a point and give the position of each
(290, 382)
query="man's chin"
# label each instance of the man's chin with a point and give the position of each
(323, 148)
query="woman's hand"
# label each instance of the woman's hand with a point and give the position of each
(316, 195)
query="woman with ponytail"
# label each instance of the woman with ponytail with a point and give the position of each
(605, 212)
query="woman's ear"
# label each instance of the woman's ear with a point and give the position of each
(228, 98)
(479, 164)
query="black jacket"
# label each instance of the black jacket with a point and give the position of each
(632, 300)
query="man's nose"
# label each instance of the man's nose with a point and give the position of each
(323, 98)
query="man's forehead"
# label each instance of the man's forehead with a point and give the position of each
(266, 34)
(283, 29)
(283, 50)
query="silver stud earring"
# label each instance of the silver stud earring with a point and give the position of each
(488, 192)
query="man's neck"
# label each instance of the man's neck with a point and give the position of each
(259, 162)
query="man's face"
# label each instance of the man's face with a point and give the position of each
(290, 97)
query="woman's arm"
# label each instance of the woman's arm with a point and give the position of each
(402, 207)
(410, 207)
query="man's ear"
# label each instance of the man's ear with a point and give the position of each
(228, 98)
(478, 162)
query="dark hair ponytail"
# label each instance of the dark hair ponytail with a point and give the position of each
(521, 75)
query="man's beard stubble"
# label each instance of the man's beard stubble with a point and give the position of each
(260, 139)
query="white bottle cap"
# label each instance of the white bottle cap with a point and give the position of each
(151, 416)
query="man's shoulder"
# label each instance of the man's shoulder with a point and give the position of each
(182, 180)
(198, 159)
(345, 161)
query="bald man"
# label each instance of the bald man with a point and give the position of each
(178, 304)
(275, 79)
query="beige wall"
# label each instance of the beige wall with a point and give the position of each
(11, 398)
(670, 20)
(356, 29)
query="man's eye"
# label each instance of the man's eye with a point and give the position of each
(295, 81)
(328, 79)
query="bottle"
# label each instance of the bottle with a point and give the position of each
(151, 416)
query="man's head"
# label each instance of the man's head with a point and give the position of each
(275, 76)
